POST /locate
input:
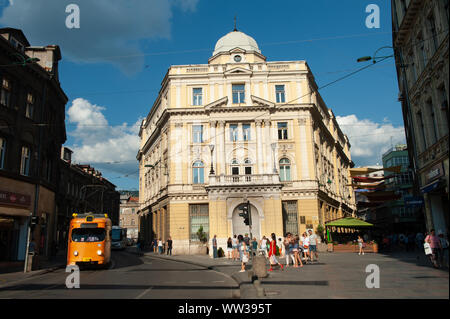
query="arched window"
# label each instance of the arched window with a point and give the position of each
(285, 170)
(198, 176)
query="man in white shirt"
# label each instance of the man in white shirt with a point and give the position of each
(263, 245)
(312, 245)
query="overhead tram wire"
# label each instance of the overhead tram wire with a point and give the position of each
(319, 88)
(356, 71)
(324, 86)
(288, 103)
(152, 90)
(338, 37)
(285, 104)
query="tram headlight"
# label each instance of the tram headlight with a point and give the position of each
(75, 253)
(99, 252)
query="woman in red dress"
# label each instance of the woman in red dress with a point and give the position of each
(272, 251)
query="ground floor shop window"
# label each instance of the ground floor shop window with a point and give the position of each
(290, 221)
(198, 216)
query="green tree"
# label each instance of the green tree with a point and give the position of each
(202, 235)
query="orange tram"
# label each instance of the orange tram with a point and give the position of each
(89, 240)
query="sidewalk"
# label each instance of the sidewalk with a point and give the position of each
(336, 275)
(16, 274)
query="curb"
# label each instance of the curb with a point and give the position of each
(31, 274)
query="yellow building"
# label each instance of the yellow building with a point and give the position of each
(240, 128)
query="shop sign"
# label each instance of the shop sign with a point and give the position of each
(435, 172)
(14, 199)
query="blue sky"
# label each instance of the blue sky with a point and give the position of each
(112, 66)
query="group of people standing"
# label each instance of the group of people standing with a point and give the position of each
(299, 249)
(160, 247)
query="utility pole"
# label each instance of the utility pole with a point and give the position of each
(38, 174)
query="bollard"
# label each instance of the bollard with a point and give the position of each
(259, 266)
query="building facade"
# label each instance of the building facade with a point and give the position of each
(238, 129)
(406, 213)
(129, 218)
(32, 130)
(420, 40)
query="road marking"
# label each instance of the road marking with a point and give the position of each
(143, 293)
(194, 282)
(217, 281)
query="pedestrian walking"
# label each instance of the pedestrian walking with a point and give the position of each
(235, 247)
(287, 252)
(247, 240)
(254, 246)
(214, 244)
(240, 241)
(361, 245)
(229, 247)
(244, 256)
(435, 245)
(313, 245)
(298, 251)
(169, 246)
(160, 246)
(305, 243)
(272, 251)
(263, 246)
(280, 247)
(155, 245)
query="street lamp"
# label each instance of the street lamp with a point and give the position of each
(211, 147)
(374, 57)
(274, 146)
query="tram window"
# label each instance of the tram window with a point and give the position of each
(88, 234)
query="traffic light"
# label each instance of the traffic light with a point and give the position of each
(34, 221)
(245, 213)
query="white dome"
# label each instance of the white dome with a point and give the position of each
(236, 39)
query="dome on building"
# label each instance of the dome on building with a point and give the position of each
(236, 39)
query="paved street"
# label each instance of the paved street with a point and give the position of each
(153, 276)
(130, 277)
(343, 275)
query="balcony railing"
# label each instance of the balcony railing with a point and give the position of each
(253, 179)
(434, 151)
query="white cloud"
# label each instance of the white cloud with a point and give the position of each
(108, 28)
(97, 142)
(368, 139)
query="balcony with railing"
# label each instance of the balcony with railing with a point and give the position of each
(437, 150)
(242, 180)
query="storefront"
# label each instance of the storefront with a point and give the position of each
(14, 216)
(435, 193)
